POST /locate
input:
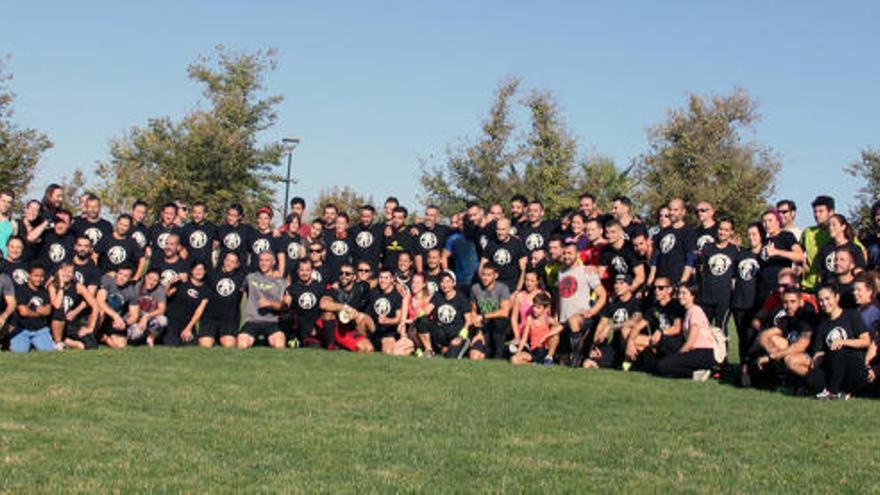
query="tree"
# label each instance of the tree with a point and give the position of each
(73, 186)
(210, 155)
(345, 198)
(699, 154)
(20, 148)
(484, 171)
(604, 180)
(868, 169)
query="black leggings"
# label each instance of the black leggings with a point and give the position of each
(495, 332)
(683, 364)
(717, 314)
(742, 319)
(842, 370)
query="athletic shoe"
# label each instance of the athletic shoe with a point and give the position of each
(428, 354)
(419, 352)
(463, 333)
(293, 343)
(513, 346)
(626, 366)
(548, 361)
(701, 375)
(824, 395)
(840, 396)
(60, 346)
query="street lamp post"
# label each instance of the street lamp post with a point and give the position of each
(291, 143)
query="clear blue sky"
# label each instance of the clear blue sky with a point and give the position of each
(371, 86)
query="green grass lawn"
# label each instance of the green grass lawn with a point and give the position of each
(197, 420)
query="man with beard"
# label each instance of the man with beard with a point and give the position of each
(159, 232)
(264, 304)
(303, 298)
(85, 271)
(384, 308)
(814, 238)
(429, 235)
(367, 236)
(396, 239)
(433, 270)
(172, 267)
(536, 232)
(58, 242)
(344, 312)
(92, 225)
(508, 254)
(339, 245)
(463, 253)
(674, 247)
(234, 235)
(621, 210)
(490, 315)
(221, 317)
(577, 309)
(119, 248)
(200, 235)
(618, 258)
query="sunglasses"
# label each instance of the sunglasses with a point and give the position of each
(316, 250)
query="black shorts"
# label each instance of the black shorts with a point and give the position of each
(261, 328)
(58, 315)
(386, 332)
(538, 354)
(608, 357)
(670, 344)
(72, 328)
(217, 328)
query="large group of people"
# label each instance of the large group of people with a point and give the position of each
(589, 289)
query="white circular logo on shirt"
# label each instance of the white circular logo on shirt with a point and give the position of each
(428, 240)
(225, 287)
(382, 306)
(719, 263)
(364, 239)
(339, 248)
(307, 300)
(57, 253)
(765, 253)
(94, 234)
(232, 240)
(162, 239)
(703, 240)
(667, 243)
(620, 316)
(837, 333)
(168, 276)
(316, 276)
(67, 303)
(116, 255)
(293, 250)
(446, 313)
(260, 245)
(198, 239)
(483, 241)
(192, 293)
(777, 318)
(619, 264)
(139, 237)
(830, 262)
(502, 256)
(534, 241)
(748, 268)
(36, 301)
(20, 276)
(432, 287)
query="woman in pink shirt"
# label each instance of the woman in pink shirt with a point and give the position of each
(695, 359)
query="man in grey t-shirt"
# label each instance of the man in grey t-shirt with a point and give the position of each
(577, 309)
(490, 314)
(264, 304)
(118, 300)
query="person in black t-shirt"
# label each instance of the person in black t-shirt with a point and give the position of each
(844, 276)
(674, 247)
(119, 248)
(200, 235)
(384, 308)
(303, 297)
(658, 333)
(367, 237)
(223, 311)
(717, 271)
(139, 231)
(233, 235)
(617, 258)
(264, 239)
(780, 251)
(788, 343)
(707, 232)
(429, 235)
(508, 255)
(159, 232)
(58, 241)
(13, 264)
(92, 225)
(536, 232)
(450, 315)
(292, 247)
(172, 267)
(620, 315)
(85, 271)
(345, 312)
(31, 329)
(186, 305)
(339, 244)
(396, 239)
(74, 310)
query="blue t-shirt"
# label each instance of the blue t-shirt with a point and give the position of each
(871, 317)
(5, 234)
(465, 254)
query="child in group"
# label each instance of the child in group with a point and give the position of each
(541, 332)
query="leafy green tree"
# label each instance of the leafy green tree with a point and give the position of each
(699, 153)
(601, 177)
(74, 186)
(866, 168)
(345, 198)
(211, 154)
(20, 148)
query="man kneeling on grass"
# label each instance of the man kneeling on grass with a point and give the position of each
(32, 314)
(787, 344)
(118, 300)
(490, 314)
(264, 305)
(619, 316)
(541, 332)
(344, 314)
(450, 317)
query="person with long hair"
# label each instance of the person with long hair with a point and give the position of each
(417, 305)
(522, 306)
(843, 235)
(744, 303)
(696, 358)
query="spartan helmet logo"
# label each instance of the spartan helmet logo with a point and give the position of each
(260, 245)
(433, 287)
(837, 333)
(192, 293)
(513, 230)
(20, 276)
(198, 239)
(483, 241)
(116, 255)
(167, 277)
(501, 257)
(719, 263)
(620, 316)
(382, 306)
(79, 276)
(94, 234)
(534, 241)
(663, 321)
(777, 318)
(667, 243)
(428, 240)
(765, 254)
(316, 276)
(225, 287)
(307, 300)
(293, 250)
(232, 240)
(35, 302)
(67, 303)
(56, 253)
(339, 248)
(446, 314)
(138, 236)
(364, 239)
(619, 264)
(830, 262)
(162, 239)
(747, 268)
(703, 240)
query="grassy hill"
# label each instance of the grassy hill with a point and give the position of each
(194, 420)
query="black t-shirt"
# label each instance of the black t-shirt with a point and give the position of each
(113, 252)
(826, 259)
(93, 230)
(673, 246)
(141, 234)
(224, 295)
(199, 240)
(159, 233)
(33, 299)
(183, 303)
(449, 313)
(618, 261)
(17, 271)
(57, 249)
(305, 301)
(169, 270)
(661, 317)
(235, 239)
(432, 281)
(705, 236)
(849, 325)
(380, 303)
(506, 256)
(399, 242)
(847, 294)
(367, 245)
(292, 245)
(772, 265)
(618, 311)
(434, 238)
(535, 238)
(748, 267)
(323, 274)
(87, 274)
(798, 326)
(356, 297)
(338, 253)
(71, 299)
(261, 242)
(717, 270)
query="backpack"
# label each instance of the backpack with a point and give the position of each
(719, 344)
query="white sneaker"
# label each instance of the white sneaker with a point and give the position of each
(59, 346)
(513, 347)
(701, 375)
